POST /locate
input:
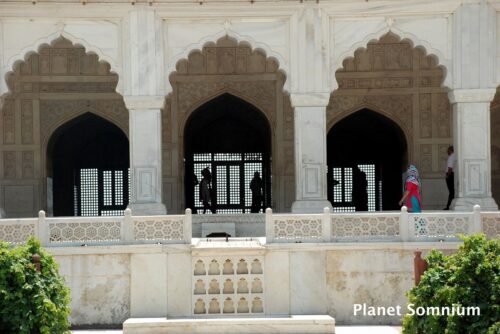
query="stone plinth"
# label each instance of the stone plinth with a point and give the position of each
(290, 325)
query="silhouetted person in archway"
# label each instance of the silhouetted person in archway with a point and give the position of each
(450, 176)
(206, 191)
(359, 189)
(256, 188)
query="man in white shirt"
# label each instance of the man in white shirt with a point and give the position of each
(450, 177)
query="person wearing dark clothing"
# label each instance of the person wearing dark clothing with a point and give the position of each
(359, 190)
(206, 191)
(450, 176)
(256, 188)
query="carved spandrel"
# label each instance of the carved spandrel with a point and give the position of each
(27, 121)
(262, 93)
(53, 111)
(9, 122)
(288, 119)
(9, 165)
(28, 161)
(444, 115)
(426, 158)
(425, 115)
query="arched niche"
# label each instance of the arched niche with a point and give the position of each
(404, 84)
(88, 162)
(52, 86)
(228, 68)
(233, 139)
(367, 153)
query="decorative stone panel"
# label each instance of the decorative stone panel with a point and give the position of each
(47, 89)
(233, 68)
(491, 225)
(84, 231)
(229, 286)
(403, 83)
(440, 227)
(16, 233)
(161, 228)
(364, 227)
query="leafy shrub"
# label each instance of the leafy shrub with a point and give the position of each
(31, 301)
(470, 277)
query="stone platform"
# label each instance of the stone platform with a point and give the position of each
(295, 324)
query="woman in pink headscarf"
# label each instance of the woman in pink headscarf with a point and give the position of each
(412, 191)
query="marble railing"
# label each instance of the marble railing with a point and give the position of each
(285, 228)
(82, 231)
(380, 226)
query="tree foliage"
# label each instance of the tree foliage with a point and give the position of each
(31, 301)
(470, 277)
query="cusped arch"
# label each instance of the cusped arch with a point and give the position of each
(77, 113)
(67, 119)
(400, 36)
(227, 90)
(225, 38)
(51, 40)
(380, 111)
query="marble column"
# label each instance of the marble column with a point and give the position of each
(145, 154)
(471, 129)
(310, 152)
(474, 68)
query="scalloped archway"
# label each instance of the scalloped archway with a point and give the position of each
(49, 88)
(229, 67)
(405, 84)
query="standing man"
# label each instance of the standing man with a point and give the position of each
(256, 188)
(450, 176)
(206, 191)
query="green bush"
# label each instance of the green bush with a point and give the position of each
(31, 301)
(470, 277)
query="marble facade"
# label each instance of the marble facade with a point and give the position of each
(146, 65)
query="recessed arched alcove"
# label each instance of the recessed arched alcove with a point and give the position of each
(232, 138)
(366, 153)
(228, 67)
(403, 83)
(88, 162)
(54, 84)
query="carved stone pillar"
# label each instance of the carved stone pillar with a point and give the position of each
(471, 118)
(145, 154)
(310, 152)
(474, 68)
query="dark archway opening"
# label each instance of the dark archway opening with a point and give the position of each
(367, 154)
(233, 139)
(88, 161)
